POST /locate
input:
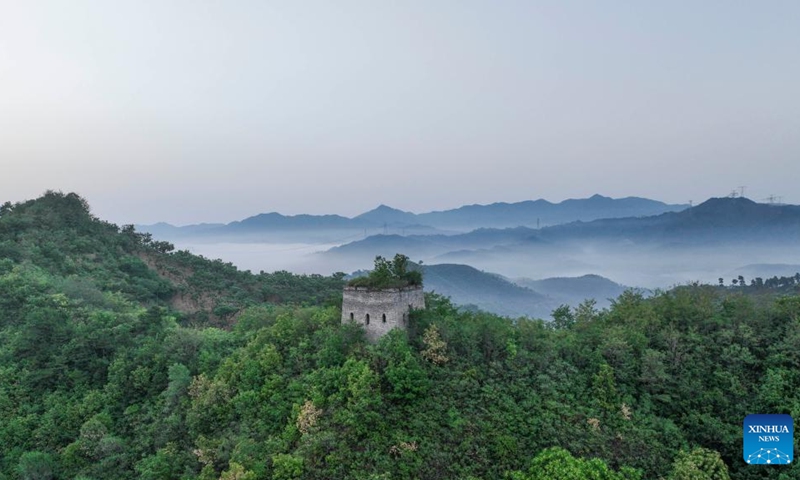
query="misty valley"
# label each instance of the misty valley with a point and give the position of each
(527, 258)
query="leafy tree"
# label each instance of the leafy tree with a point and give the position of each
(558, 464)
(389, 274)
(405, 376)
(167, 462)
(287, 467)
(562, 317)
(604, 389)
(36, 466)
(699, 464)
(238, 472)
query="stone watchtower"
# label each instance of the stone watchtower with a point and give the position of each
(380, 310)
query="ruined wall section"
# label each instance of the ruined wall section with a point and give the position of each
(379, 311)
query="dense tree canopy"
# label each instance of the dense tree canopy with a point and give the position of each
(389, 274)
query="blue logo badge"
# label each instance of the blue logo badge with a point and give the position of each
(768, 439)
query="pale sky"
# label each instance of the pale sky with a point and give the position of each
(192, 111)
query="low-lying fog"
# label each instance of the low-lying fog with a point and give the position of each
(269, 257)
(643, 267)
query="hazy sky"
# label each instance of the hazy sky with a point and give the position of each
(189, 111)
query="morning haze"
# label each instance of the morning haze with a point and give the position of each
(365, 239)
(192, 112)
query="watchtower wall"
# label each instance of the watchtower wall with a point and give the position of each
(380, 310)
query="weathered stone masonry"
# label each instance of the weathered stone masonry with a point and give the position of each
(380, 310)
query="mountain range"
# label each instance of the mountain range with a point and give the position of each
(384, 219)
(469, 287)
(698, 243)
(574, 290)
(718, 220)
(676, 245)
(540, 213)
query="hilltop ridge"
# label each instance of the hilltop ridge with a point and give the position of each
(56, 234)
(529, 213)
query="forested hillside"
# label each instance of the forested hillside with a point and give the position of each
(55, 238)
(120, 359)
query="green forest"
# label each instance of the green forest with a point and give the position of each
(395, 273)
(121, 358)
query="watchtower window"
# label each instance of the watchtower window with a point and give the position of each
(351, 316)
(383, 318)
(367, 321)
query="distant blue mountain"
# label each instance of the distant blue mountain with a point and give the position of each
(270, 221)
(466, 286)
(717, 220)
(417, 246)
(388, 215)
(539, 213)
(529, 213)
(388, 246)
(385, 219)
(573, 290)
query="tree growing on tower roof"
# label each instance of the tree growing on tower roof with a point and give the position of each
(393, 273)
(384, 299)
